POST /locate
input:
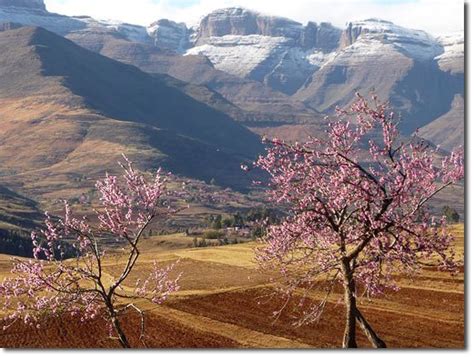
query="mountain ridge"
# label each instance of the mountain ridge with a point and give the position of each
(54, 127)
(276, 71)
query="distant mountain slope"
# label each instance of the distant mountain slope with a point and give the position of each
(277, 71)
(34, 13)
(151, 49)
(67, 112)
(396, 63)
(448, 130)
(256, 102)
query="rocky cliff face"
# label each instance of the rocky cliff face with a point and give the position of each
(34, 13)
(169, 35)
(401, 65)
(413, 43)
(242, 22)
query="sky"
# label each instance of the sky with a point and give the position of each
(434, 16)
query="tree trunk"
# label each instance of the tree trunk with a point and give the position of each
(121, 335)
(349, 340)
(376, 341)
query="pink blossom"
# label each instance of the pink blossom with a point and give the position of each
(49, 285)
(356, 204)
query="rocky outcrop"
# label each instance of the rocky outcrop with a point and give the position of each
(34, 13)
(169, 35)
(350, 34)
(243, 22)
(323, 36)
(397, 63)
(276, 51)
(414, 43)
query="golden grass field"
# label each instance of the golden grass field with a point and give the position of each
(224, 303)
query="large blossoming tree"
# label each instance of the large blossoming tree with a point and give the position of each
(357, 201)
(80, 287)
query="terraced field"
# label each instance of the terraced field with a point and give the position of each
(224, 302)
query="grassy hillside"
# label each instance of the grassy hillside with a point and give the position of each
(67, 114)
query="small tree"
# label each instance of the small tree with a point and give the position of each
(451, 214)
(228, 222)
(217, 223)
(238, 220)
(213, 235)
(357, 215)
(49, 286)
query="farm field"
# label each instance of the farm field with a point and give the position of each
(224, 302)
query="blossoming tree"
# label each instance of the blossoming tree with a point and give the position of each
(81, 287)
(357, 201)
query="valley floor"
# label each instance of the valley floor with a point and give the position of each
(225, 303)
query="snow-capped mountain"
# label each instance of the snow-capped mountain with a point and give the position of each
(276, 51)
(376, 32)
(286, 55)
(312, 68)
(34, 13)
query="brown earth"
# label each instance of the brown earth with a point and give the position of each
(68, 333)
(224, 302)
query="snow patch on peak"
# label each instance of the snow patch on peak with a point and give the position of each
(231, 11)
(319, 59)
(452, 57)
(413, 43)
(131, 32)
(59, 24)
(373, 27)
(242, 11)
(238, 55)
(454, 38)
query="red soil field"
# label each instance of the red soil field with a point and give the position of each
(69, 333)
(405, 328)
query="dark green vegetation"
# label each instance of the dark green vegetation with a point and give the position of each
(452, 216)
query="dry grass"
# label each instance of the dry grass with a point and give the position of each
(225, 302)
